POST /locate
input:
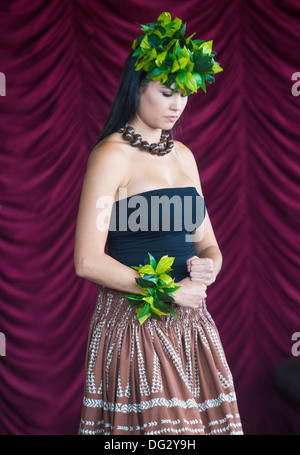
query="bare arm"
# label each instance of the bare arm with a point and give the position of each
(204, 240)
(104, 175)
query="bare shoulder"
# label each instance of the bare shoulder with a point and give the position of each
(186, 157)
(189, 164)
(107, 165)
(185, 154)
(108, 151)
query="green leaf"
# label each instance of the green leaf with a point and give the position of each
(152, 261)
(183, 29)
(159, 33)
(144, 44)
(141, 321)
(171, 79)
(144, 283)
(209, 77)
(138, 51)
(155, 316)
(203, 63)
(154, 40)
(178, 51)
(166, 279)
(152, 292)
(198, 78)
(176, 87)
(177, 23)
(183, 62)
(151, 277)
(143, 310)
(207, 47)
(160, 77)
(198, 42)
(175, 287)
(153, 54)
(165, 17)
(142, 64)
(175, 66)
(134, 44)
(169, 33)
(186, 53)
(165, 297)
(133, 297)
(190, 66)
(144, 292)
(180, 79)
(164, 264)
(190, 82)
(171, 44)
(161, 58)
(157, 311)
(145, 28)
(203, 86)
(165, 307)
(158, 71)
(216, 67)
(147, 269)
(170, 290)
(189, 38)
(149, 299)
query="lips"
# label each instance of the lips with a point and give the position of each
(172, 118)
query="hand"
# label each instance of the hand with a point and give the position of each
(201, 269)
(190, 294)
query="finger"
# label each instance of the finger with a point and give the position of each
(197, 274)
(209, 262)
(200, 272)
(202, 268)
(194, 257)
(193, 260)
(188, 264)
(205, 281)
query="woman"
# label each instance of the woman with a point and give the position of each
(162, 374)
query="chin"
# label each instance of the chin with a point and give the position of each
(168, 125)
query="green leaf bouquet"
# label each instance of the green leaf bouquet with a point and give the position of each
(156, 289)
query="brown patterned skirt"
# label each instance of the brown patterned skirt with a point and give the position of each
(165, 377)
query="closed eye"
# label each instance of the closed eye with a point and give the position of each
(170, 94)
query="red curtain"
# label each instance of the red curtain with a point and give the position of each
(62, 61)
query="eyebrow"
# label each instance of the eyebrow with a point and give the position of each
(169, 88)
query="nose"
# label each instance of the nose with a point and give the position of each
(177, 102)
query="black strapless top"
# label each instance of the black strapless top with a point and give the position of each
(159, 222)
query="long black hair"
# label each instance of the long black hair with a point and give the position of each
(125, 103)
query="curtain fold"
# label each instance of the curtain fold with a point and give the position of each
(62, 61)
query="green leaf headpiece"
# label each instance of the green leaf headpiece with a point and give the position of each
(168, 57)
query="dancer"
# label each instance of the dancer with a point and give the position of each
(155, 363)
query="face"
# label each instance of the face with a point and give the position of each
(159, 106)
